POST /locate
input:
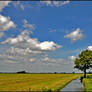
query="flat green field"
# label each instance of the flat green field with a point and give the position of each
(88, 83)
(34, 82)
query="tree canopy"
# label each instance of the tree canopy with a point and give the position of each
(84, 61)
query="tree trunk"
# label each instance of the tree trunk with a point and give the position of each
(85, 72)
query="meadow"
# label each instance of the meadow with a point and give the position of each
(88, 83)
(35, 82)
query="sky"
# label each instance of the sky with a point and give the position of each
(43, 36)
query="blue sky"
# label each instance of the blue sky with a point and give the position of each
(43, 36)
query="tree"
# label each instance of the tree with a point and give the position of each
(84, 61)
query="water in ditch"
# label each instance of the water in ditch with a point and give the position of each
(75, 85)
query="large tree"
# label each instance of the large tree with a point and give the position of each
(84, 61)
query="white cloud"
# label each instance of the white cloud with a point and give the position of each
(3, 4)
(23, 48)
(24, 41)
(72, 58)
(25, 21)
(47, 59)
(55, 3)
(90, 48)
(53, 61)
(13, 57)
(20, 55)
(75, 35)
(28, 26)
(48, 2)
(48, 45)
(19, 4)
(60, 3)
(16, 55)
(6, 23)
(32, 59)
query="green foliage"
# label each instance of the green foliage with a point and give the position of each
(87, 82)
(84, 60)
(46, 90)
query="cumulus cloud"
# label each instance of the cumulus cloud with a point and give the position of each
(53, 60)
(55, 3)
(24, 41)
(6, 23)
(28, 26)
(50, 60)
(48, 2)
(72, 58)
(89, 48)
(75, 35)
(60, 3)
(23, 49)
(3, 4)
(19, 4)
(32, 59)
(46, 45)
(14, 55)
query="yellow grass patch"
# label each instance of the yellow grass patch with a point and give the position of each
(34, 82)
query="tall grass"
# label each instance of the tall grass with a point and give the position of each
(34, 82)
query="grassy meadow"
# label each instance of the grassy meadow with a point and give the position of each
(88, 83)
(34, 82)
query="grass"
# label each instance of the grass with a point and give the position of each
(34, 82)
(87, 82)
